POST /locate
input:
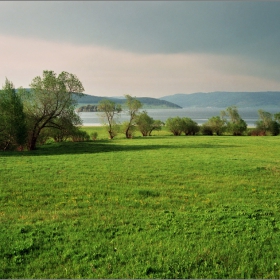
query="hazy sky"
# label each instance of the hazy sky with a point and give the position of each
(145, 48)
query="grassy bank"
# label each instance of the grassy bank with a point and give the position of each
(158, 207)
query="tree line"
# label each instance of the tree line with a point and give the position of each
(229, 122)
(47, 110)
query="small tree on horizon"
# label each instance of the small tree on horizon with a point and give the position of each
(175, 125)
(133, 106)
(189, 127)
(216, 124)
(147, 124)
(108, 111)
(236, 125)
(266, 124)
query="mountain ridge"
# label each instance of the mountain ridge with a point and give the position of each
(222, 99)
(146, 101)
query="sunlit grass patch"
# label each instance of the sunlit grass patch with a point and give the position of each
(156, 207)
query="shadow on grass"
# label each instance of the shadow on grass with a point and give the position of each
(103, 146)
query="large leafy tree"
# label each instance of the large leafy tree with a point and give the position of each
(108, 112)
(13, 129)
(51, 98)
(133, 106)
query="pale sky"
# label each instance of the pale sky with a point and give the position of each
(144, 48)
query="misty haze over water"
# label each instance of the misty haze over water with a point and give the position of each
(199, 115)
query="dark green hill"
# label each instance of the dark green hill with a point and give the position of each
(148, 102)
(225, 99)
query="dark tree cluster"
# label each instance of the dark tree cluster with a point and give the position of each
(88, 108)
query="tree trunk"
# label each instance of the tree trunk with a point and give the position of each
(127, 132)
(32, 143)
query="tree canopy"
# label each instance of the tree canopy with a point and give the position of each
(50, 99)
(13, 130)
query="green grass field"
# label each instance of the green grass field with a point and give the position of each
(156, 207)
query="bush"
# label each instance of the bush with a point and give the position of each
(206, 130)
(94, 135)
(79, 136)
(189, 126)
(274, 128)
(256, 132)
(238, 128)
(175, 125)
(146, 125)
(216, 124)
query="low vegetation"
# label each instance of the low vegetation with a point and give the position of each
(157, 207)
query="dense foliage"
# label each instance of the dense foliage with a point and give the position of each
(147, 124)
(266, 124)
(235, 125)
(29, 117)
(88, 108)
(178, 125)
(215, 125)
(13, 129)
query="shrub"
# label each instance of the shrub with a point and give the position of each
(206, 130)
(175, 125)
(79, 136)
(147, 125)
(216, 125)
(94, 135)
(189, 126)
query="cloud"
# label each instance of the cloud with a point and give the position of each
(144, 48)
(108, 72)
(228, 27)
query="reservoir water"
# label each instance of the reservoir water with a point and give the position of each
(199, 115)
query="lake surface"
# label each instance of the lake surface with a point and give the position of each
(199, 115)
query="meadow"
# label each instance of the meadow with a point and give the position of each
(155, 207)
